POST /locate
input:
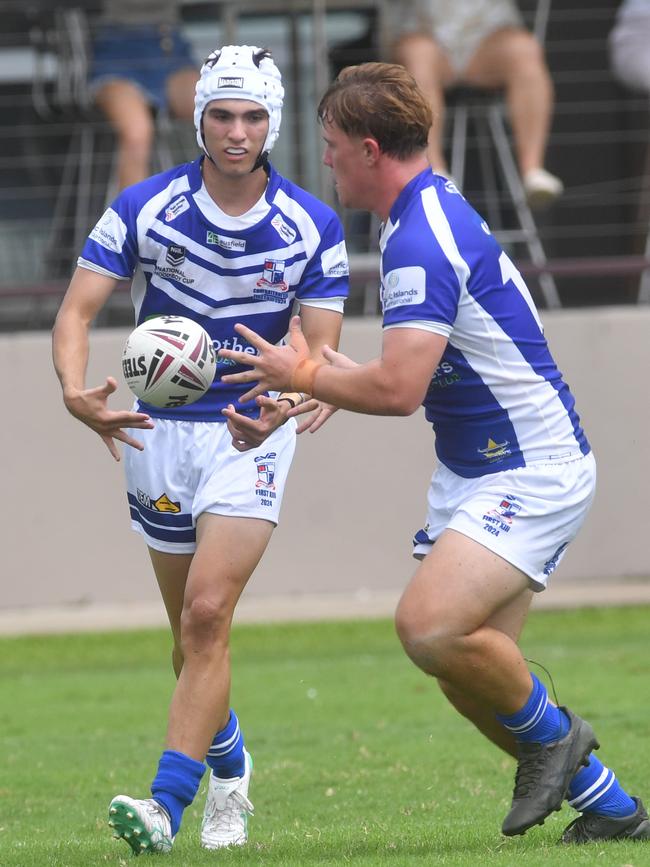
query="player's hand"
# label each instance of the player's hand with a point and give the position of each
(273, 366)
(249, 433)
(322, 411)
(337, 359)
(90, 406)
(320, 414)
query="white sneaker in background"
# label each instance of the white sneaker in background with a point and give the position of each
(541, 188)
(144, 825)
(227, 808)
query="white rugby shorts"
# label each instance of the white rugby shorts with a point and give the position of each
(190, 467)
(528, 516)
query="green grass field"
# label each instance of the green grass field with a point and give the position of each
(358, 759)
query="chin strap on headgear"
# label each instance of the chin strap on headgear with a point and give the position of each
(241, 72)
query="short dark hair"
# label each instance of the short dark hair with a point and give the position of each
(380, 100)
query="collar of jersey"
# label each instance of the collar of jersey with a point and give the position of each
(420, 181)
(213, 213)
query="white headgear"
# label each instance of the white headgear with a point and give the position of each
(241, 72)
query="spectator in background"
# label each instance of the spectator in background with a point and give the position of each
(484, 44)
(141, 64)
(629, 44)
(629, 52)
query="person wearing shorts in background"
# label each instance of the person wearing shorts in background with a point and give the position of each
(141, 64)
(516, 475)
(483, 44)
(215, 240)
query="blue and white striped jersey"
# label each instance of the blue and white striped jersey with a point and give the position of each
(497, 400)
(194, 260)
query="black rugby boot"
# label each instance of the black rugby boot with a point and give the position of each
(544, 772)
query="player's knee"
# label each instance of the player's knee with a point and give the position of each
(205, 622)
(426, 637)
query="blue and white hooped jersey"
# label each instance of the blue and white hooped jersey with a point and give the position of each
(497, 400)
(199, 262)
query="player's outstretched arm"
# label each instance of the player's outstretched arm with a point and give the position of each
(84, 299)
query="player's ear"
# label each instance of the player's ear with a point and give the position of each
(370, 150)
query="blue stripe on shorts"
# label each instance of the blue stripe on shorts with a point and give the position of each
(165, 526)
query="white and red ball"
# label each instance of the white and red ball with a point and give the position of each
(169, 361)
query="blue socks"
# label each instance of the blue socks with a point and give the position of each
(179, 776)
(226, 754)
(595, 789)
(176, 784)
(538, 720)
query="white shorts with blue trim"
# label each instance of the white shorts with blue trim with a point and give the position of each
(190, 467)
(528, 516)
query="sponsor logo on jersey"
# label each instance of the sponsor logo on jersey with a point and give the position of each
(110, 231)
(231, 81)
(451, 187)
(334, 261)
(283, 229)
(231, 343)
(225, 242)
(173, 273)
(175, 254)
(271, 286)
(495, 451)
(445, 375)
(161, 504)
(265, 473)
(403, 286)
(550, 565)
(175, 208)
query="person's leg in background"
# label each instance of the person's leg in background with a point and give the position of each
(129, 114)
(430, 67)
(512, 58)
(180, 93)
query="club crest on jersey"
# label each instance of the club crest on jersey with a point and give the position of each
(175, 208)
(161, 504)
(272, 286)
(273, 273)
(266, 471)
(175, 254)
(499, 520)
(507, 509)
(495, 451)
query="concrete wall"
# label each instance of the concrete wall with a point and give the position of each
(357, 490)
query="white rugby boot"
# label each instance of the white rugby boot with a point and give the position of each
(227, 808)
(144, 825)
